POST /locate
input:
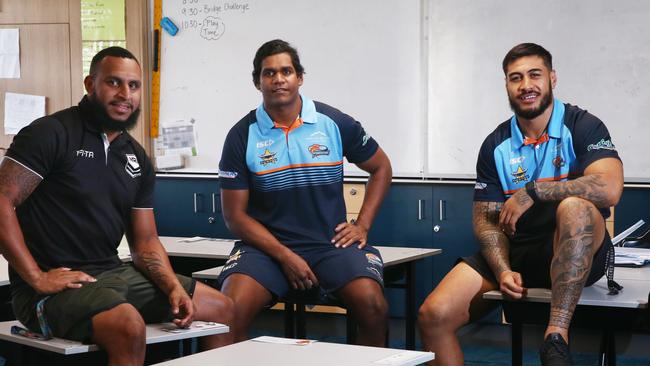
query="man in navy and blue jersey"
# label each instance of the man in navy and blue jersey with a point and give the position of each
(545, 180)
(281, 177)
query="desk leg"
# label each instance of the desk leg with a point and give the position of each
(607, 356)
(410, 306)
(289, 320)
(516, 333)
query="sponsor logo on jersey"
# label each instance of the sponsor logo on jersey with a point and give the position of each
(268, 157)
(85, 154)
(364, 139)
(520, 175)
(132, 166)
(226, 174)
(558, 161)
(480, 185)
(263, 144)
(517, 160)
(602, 145)
(374, 260)
(318, 134)
(318, 150)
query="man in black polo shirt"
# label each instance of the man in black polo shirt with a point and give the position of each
(78, 182)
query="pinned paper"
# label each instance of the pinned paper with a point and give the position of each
(288, 341)
(21, 110)
(9, 53)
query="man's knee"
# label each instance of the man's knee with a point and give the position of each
(213, 305)
(436, 313)
(367, 298)
(575, 207)
(121, 324)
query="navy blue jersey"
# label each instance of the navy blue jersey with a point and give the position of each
(295, 176)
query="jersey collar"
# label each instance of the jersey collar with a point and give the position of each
(307, 113)
(554, 128)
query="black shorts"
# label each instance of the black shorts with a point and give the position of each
(69, 312)
(533, 261)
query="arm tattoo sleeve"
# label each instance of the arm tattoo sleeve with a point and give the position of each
(154, 266)
(591, 187)
(16, 182)
(493, 242)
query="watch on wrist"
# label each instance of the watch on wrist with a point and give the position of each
(531, 190)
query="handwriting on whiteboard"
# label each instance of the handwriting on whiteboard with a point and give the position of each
(207, 17)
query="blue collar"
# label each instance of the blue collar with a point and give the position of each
(554, 128)
(307, 113)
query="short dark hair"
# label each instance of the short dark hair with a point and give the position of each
(114, 51)
(271, 48)
(527, 49)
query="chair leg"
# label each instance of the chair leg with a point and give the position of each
(351, 328)
(301, 332)
(289, 320)
(516, 333)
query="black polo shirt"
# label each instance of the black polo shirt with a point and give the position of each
(78, 213)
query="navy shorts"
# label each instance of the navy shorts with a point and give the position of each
(533, 261)
(334, 267)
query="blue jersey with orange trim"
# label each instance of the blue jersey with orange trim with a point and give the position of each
(295, 175)
(575, 138)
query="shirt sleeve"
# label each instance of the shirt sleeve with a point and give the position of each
(488, 186)
(144, 198)
(39, 146)
(233, 170)
(358, 145)
(591, 142)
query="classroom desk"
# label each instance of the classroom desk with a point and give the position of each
(594, 309)
(399, 258)
(252, 352)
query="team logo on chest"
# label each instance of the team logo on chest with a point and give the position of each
(520, 175)
(318, 150)
(268, 157)
(132, 166)
(85, 154)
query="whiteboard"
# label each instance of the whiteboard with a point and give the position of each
(601, 52)
(363, 57)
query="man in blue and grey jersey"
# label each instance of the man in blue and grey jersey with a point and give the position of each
(545, 180)
(281, 177)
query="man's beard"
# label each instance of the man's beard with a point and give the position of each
(529, 114)
(109, 124)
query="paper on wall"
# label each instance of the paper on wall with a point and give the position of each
(21, 110)
(9, 53)
(178, 138)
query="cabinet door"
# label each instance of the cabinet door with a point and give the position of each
(633, 206)
(404, 218)
(452, 226)
(189, 207)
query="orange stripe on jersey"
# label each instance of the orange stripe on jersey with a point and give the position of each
(299, 166)
(551, 179)
(295, 124)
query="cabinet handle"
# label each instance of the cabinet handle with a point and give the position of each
(421, 209)
(442, 205)
(214, 203)
(195, 195)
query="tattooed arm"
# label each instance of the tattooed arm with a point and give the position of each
(150, 257)
(16, 184)
(602, 184)
(495, 247)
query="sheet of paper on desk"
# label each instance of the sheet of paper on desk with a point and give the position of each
(399, 358)
(195, 325)
(289, 341)
(631, 256)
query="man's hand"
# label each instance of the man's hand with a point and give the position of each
(348, 234)
(59, 279)
(182, 306)
(512, 210)
(511, 284)
(298, 272)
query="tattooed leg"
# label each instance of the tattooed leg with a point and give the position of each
(579, 234)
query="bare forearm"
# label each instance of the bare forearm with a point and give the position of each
(252, 232)
(494, 244)
(152, 260)
(12, 244)
(376, 189)
(596, 188)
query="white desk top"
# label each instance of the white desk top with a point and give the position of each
(220, 249)
(252, 352)
(635, 282)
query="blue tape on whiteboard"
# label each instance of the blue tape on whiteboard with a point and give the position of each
(169, 26)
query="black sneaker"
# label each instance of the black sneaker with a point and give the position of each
(555, 351)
